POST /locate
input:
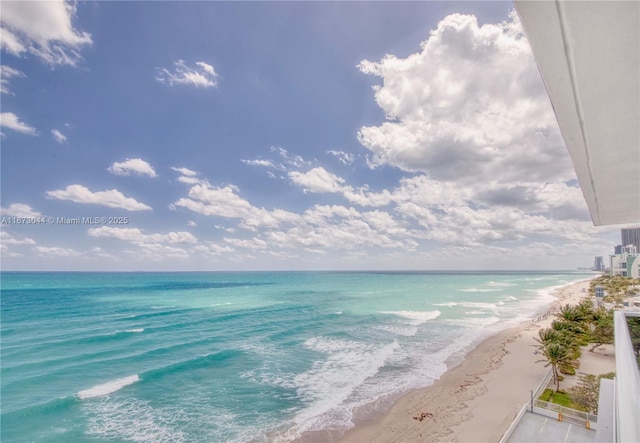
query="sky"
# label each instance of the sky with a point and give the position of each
(215, 136)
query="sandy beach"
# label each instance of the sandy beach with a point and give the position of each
(477, 400)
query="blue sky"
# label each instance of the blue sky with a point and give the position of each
(282, 135)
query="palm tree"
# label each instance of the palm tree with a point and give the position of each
(570, 313)
(603, 330)
(557, 356)
(547, 336)
(585, 308)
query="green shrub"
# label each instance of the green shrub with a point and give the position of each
(546, 395)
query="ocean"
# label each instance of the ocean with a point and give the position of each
(237, 357)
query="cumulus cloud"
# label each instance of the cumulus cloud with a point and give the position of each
(202, 75)
(6, 73)
(318, 180)
(321, 227)
(43, 29)
(11, 121)
(111, 198)
(470, 105)
(19, 210)
(132, 166)
(225, 202)
(135, 235)
(58, 136)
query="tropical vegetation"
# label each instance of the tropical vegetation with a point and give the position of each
(575, 326)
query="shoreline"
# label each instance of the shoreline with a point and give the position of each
(477, 399)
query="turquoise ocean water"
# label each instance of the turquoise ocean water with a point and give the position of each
(216, 357)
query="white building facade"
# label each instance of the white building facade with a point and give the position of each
(626, 264)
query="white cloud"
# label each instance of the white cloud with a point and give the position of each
(185, 171)
(203, 75)
(259, 162)
(343, 157)
(56, 252)
(132, 166)
(223, 202)
(213, 249)
(290, 160)
(188, 176)
(7, 73)
(19, 210)
(191, 224)
(58, 136)
(318, 180)
(11, 121)
(43, 29)
(8, 239)
(469, 106)
(111, 198)
(135, 235)
(253, 244)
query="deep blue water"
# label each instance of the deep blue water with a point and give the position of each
(193, 357)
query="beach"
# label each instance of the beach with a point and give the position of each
(477, 400)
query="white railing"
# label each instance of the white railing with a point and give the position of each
(543, 384)
(627, 381)
(568, 414)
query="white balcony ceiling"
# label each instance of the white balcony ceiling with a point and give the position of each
(588, 53)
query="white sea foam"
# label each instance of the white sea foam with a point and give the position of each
(417, 317)
(407, 331)
(471, 304)
(108, 388)
(479, 290)
(330, 382)
(135, 330)
(500, 284)
(448, 304)
(510, 297)
(221, 304)
(134, 420)
(475, 321)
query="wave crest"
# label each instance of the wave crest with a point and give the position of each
(107, 388)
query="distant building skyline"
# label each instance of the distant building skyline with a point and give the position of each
(598, 264)
(630, 236)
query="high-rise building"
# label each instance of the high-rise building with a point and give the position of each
(631, 236)
(598, 264)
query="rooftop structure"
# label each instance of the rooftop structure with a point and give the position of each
(588, 54)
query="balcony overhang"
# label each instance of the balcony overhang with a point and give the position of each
(588, 53)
